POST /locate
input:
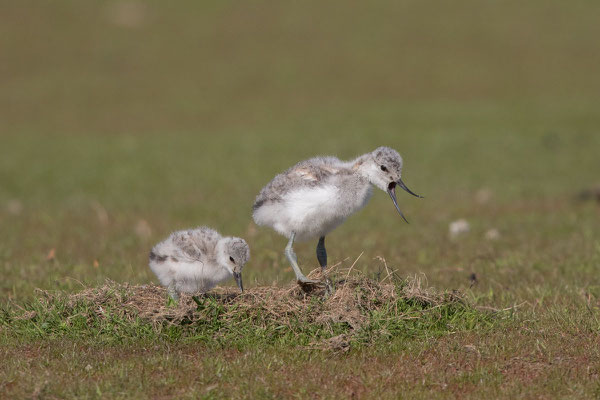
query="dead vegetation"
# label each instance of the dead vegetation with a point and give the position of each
(356, 308)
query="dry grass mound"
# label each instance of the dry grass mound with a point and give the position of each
(350, 302)
(356, 309)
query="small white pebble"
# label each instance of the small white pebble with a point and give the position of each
(492, 234)
(459, 227)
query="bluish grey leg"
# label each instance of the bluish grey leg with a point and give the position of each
(291, 256)
(322, 257)
(173, 295)
(322, 253)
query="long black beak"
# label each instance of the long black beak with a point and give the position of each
(403, 186)
(238, 280)
(392, 192)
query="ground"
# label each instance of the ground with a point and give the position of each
(122, 121)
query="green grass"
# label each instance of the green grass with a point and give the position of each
(118, 127)
(260, 321)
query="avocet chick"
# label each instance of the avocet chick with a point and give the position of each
(315, 196)
(196, 260)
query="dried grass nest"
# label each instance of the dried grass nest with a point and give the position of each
(351, 300)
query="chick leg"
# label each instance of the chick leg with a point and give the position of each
(291, 256)
(322, 253)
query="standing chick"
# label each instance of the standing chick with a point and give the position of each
(315, 196)
(196, 260)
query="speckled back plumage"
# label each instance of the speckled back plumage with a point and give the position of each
(190, 245)
(307, 173)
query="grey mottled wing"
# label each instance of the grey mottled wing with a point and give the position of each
(195, 244)
(308, 173)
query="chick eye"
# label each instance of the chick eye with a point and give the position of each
(383, 168)
(231, 259)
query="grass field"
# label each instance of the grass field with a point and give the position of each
(122, 121)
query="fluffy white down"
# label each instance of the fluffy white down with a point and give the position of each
(310, 212)
(189, 277)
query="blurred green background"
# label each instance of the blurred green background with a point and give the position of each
(121, 121)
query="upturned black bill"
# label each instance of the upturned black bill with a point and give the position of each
(403, 186)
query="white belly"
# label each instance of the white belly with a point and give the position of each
(310, 212)
(188, 277)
